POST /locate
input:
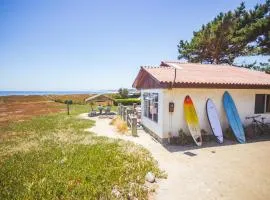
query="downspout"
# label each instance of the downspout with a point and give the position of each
(173, 82)
(170, 113)
(174, 76)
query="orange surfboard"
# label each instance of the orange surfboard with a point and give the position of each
(192, 120)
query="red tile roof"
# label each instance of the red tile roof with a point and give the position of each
(200, 75)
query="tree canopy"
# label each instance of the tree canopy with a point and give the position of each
(240, 32)
(123, 92)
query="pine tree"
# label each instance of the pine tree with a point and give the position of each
(230, 35)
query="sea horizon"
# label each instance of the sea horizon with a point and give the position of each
(60, 92)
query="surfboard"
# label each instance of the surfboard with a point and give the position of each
(213, 119)
(192, 120)
(233, 117)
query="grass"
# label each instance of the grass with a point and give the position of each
(75, 171)
(121, 125)
(53, 157)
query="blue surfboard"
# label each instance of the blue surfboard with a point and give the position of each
(233, 117)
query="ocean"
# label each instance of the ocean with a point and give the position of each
(27, 93)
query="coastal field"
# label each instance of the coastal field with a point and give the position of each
(47, 154)
(19, 108)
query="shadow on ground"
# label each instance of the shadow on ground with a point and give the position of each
(183, 148)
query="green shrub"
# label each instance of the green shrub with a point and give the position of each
(123, 92)
(129, 101)
(184, 138)
(78, 171)
(229, 134)
(59, 101)
(116, 96)
(68, 102)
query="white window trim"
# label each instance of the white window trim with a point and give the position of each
(265, 103)
(147, 115)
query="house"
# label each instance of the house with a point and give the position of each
(172, 81)
(100, 99)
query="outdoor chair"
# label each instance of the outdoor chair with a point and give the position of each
(108, 110)
(100, 109)
(92, 113)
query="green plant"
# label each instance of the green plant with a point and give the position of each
(68, 102)
(203, 132)
(129, 101)
(77, 171)
(246, 30)
(59, 101)
(206, 137)
(116, 96)
(53, 157)
(183, 137)
(123, 92)
(92, 103)
(229, 134)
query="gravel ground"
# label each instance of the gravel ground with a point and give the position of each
(230, 171)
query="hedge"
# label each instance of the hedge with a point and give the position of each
(128, 101)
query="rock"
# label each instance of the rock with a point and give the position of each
(150, 177)
(116, 192)
(63, 160)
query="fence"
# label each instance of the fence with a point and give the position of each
(128, 114)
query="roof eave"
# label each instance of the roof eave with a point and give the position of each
(216, 86)
(140, 77)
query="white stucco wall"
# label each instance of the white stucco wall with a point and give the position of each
(244, 100)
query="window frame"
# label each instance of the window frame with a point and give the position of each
(151, 99)
(266, 109)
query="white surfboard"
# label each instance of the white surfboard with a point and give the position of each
(214, 120)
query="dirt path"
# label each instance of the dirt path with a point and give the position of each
(214, 172)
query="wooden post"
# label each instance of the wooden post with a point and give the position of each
(119, 109)
(124, 113)
(134, 106)
(129, 111)
(134, 126)
(68, 108)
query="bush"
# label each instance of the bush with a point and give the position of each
(129, 101)
(123, 92)
(184, 138)
(58, 101)
(134, 95)
(116, 96)
(121, 125)
(229, 134)
(68, 102)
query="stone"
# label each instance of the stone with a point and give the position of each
(63, 160)
(150, 177)
(116, 192)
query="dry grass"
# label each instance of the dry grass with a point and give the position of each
(76, 98)
(20, 108)
(121, 126)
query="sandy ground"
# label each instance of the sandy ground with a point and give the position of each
(231, 171)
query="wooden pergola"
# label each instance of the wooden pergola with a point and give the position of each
(100, 99)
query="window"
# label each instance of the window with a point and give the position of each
(150, 106)
(267, 106)
(262, 103)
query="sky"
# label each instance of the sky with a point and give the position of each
(94, 45)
